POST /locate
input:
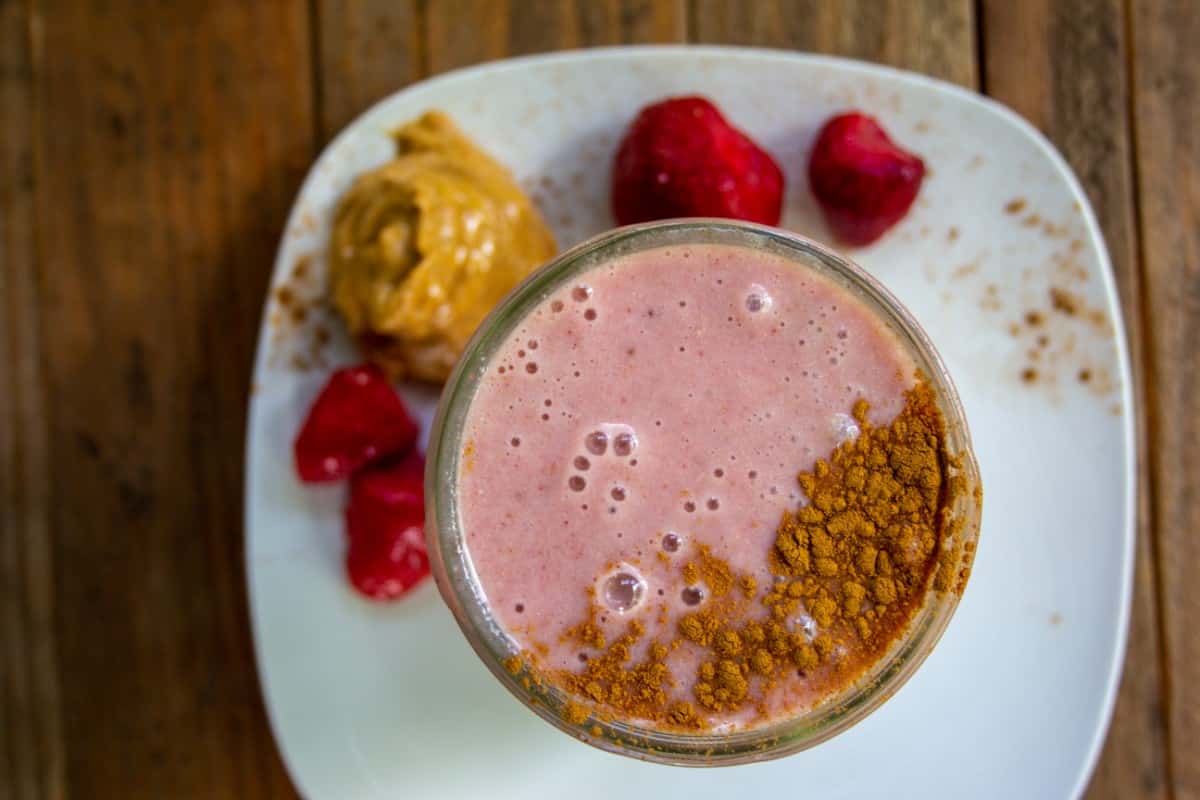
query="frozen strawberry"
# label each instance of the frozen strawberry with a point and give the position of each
(863, 181)
(680, 158)
(357, 419)
(385, 524)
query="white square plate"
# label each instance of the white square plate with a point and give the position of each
(380, 701)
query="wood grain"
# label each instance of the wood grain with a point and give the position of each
(1041, 59)
(519, 27)
(936, 37)
(1166, 118)
(170, 140)
(148, 155)
(365, 50)
(31, 743)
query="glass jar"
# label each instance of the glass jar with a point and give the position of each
(459, 583)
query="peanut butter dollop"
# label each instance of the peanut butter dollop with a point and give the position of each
(423, 247)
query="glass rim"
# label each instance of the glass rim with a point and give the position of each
(459, 584)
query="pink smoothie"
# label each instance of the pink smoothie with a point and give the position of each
(663, 400)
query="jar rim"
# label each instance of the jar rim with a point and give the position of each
(459, 584)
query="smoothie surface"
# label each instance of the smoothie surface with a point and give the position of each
(663, 401)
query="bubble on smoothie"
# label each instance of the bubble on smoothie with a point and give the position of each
(689, 506)
(807, 625)
(531, 367)
(581, 463)
(624, 443)
(692, 596)
(622, 591)
(576, 483)
(590, 314)
(556, 306)
(845, 428)
(758, 299)
(713, 504)
(618, 493)
(597, 443)
(671, 542)
(581, 293)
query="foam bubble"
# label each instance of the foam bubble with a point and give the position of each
(845, 428)
(758, 299)
(597, 443)
(624, 443)
(807, 625)
(622, 591)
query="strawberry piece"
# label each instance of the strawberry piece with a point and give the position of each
(385, 525)
(357, 419)
(863, 181)
(680, 158)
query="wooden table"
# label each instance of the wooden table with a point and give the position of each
(147, 159)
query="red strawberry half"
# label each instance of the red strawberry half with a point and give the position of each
(385, 523)
(357, 419)
(680, 158)
(863, 181)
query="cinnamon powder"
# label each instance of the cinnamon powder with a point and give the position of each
(857, 561)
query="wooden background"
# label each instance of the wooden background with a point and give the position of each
(148, 155)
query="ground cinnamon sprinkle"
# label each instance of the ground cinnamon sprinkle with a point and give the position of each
(851, 566)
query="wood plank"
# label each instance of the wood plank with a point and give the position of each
(1062, 65)
(500, 28)
(31, 746)
(936, 37)
(366, 49)
(1166, 115)
(171, 139)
